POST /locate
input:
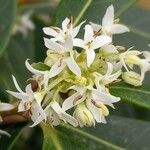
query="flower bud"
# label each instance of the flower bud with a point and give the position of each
(109, 49)
(132, 78)
(132, 59)
(105, 110)
(83, 116)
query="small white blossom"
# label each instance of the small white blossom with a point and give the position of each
(108, 24)
(29, 100)
(109, 77)
(91, 42)
(24, 25)
(61, 35)
(55, 114)
(66, 58)
(95, 101)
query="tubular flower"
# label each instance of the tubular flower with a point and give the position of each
(72, 83)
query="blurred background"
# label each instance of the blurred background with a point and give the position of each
(26, 41)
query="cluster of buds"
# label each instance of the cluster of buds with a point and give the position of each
(72, 84)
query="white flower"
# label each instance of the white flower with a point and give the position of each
(130, 58)
(66, 57)
(108, 24)
(25, 24)
(55, 114)
(29, 99)
(91, 42)
(95, 101)
(62, 34)
(109, 77)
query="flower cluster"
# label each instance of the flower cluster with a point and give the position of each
(72, 84)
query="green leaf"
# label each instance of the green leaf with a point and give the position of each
(40, 66)
(7, 17)
(89, 10)
(135, 95)
(18, 50)
(15, 131)
(118, 134)
(50, 140)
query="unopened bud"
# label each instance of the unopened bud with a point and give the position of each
(132, 59)
(132, 78)
(109, 49)
(83, 116)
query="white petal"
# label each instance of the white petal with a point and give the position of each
(78, 42)
(40, 118)
(68, 43)
(32, 70)
(109, 69)
(50, 31)
(46, 79)
(105, 98)
(57, 68)
(65, 24)
(94, 110)
(18, 95)
(89, 33)
(72, 65)
(52, 45)
(108, 17)
(16, 85)
(29, 90)
(71, 120)
(96, 27)
(76, 29)
(21, 106)
(90, 56)
(72, 101)
(27, 22)
(79, 89)
(63, 115)
(56, 107)
(119, 28)
(114, 76)
(37, 121)
(40, 110)
(101, 41)
(2, 132)
(6, 106)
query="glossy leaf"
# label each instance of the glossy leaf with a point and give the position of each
(118, 134)
(7, 18)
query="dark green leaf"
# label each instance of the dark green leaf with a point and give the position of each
(40, 66)
(118, 134)
(136, 95)
(7, 17)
